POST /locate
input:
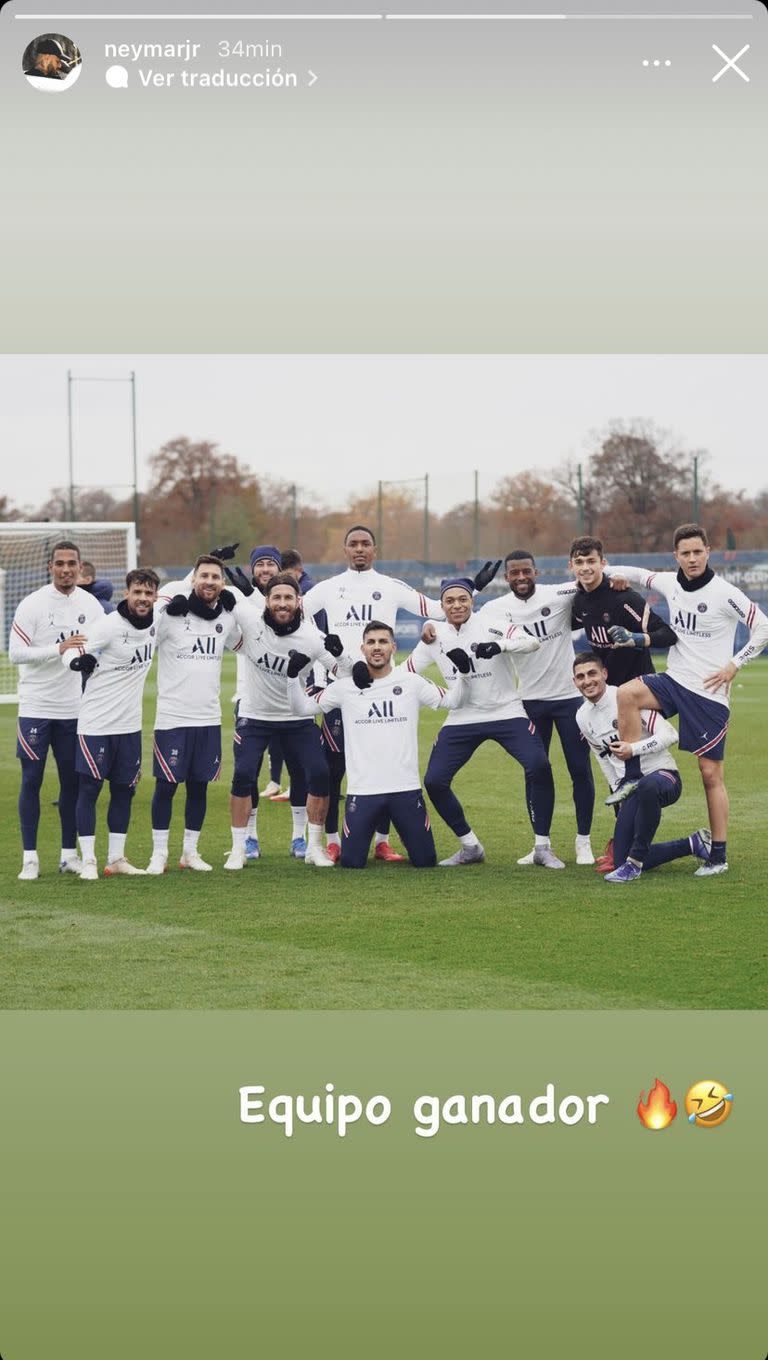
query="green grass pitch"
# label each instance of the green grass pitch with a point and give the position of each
(282, 935)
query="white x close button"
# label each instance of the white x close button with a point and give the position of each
(730, 62)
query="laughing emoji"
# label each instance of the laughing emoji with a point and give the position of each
(708, 1103)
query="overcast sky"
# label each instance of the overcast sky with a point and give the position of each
(336, 425)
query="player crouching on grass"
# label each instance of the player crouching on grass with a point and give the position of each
(659, 783)
(379, 707)
(115, 660)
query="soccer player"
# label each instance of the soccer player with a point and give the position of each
(343, 605)
(191, 637)
(491, 711)
(270, 640)
(116, 659)
(704, 610)
(619, 624)
(47, 624)
(380, 706)
(265, 562)
(546, 680)
(291, 562)
(659, 784)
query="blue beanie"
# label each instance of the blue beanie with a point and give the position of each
(266, 550)
(459, 582)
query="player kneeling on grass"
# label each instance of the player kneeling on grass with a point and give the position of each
(277, 643)
(115, 659)
(380, 711)
(659, 784)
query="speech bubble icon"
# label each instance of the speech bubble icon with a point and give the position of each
(117, 77)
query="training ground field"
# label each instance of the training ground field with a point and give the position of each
(282, 935)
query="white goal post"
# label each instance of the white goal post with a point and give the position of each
(25, 550)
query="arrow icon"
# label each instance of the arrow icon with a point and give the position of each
(312, 79)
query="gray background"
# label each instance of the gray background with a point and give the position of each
(452, 186)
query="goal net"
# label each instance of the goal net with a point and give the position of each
(24, 553)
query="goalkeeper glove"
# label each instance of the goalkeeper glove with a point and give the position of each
(621, 637)
(334, 644)
(296, 662)
(460, 660)
(361, 675)
(178, 606)
(486, 575)
(237, 577)
(86, 664)
(226, 553)
(485, 650)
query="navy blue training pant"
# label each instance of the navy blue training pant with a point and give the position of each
(300, 744)
(332, 739)
(408, 812)
(194, 808)
(455, 745)
(561, 715)
(35, 736)
(118, 812)
(638, 821)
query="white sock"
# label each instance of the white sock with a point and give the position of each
(238, 837)
(30, 857)
(333, 838)
(541, 840)
(382, 838)
(250, 828)
(315, 833)
(583, 843)
(66, 853)
(190, 840)
(116, 847)
(299, 817)
(87, 848)
(469, 839)
(160, 842)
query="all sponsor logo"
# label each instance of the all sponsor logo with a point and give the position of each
(382, 708)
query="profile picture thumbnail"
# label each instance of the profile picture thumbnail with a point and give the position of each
(52, 62)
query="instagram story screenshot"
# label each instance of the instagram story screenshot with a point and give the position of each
(384, 583)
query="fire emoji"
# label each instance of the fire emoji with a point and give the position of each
(658, 1109)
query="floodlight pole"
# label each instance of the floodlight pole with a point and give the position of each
(426, 518)
(71, 477)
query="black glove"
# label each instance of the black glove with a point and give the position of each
(361, 675)
(178, 606)
(460, 660)
(334, 644)
(485, 650)
(237, 577)
(85, 664)
(228, 600)
(296, 662)
(226, 553)
(486, 575)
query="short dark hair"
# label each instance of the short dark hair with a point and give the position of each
(207, 559)
(282, 578)
(519, 555)
(365, 530)
(584, 659)
(87, 567)
(64, 543)
(290, 558)
(142, 576)
(375, 625)
(690, 531)
(582, 547)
